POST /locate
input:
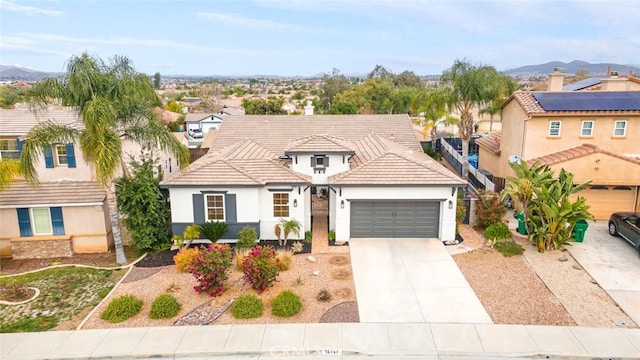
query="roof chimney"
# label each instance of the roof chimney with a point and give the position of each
(308, 110)
(615, 83)
(556, 80)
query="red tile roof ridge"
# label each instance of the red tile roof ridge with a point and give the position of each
(577, 152)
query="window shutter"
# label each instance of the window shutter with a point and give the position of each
(48, 157)
(56, 220)
(230, 208)
(24, 222)
(20, 143)
(326, 161)
(313, 161)
(71, 156)
(198, 208)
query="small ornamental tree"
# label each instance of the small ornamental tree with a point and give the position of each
(210, 268)
(490, 209)
(144, 206)
(260, 267)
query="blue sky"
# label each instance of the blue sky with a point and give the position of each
(298, 37)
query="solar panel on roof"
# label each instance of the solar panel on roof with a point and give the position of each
(589, 101)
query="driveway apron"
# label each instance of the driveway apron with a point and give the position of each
(614, 264)
(411, 280)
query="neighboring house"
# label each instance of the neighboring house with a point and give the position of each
(204, 122)
(369, 168)
(67, 212)
(231, 110)
(592, 134)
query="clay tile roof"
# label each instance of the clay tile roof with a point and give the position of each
(383, 162)
(22, 194)
(320, 143)
(528, 102)
(491, 142)
(577, 152)
(19, 121)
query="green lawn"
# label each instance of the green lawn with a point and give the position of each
(64, 292)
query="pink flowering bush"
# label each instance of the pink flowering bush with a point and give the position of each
(210, 267)
(260, 267)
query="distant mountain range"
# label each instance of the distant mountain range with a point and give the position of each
(8, 72)
(572, 68)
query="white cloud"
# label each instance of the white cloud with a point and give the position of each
(236, 20)
(28, 10)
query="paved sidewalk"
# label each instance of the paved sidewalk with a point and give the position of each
(334, 341)
(411, 280)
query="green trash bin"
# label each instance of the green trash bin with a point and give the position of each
(579, 229)
(522, 229)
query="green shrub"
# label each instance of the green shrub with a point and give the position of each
(247, 307)
(286, 304)
(332, 235)
(164, 306)
(490, 209)
(509, 248)
(497, 232)
(213, 230)
(308, 236)
(247, 237)
(122, 308)
(260, 267)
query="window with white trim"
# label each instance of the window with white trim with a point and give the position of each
(554, 128)
(620, 128)
(9, 149)
(60, 154)
(280, 205)
(214, 206)
(41, 221)
(587, 128)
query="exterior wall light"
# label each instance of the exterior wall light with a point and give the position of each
(295, 202)
(450, 204)
(341, 204)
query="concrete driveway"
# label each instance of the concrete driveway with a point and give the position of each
(411, 280)
(614, 264)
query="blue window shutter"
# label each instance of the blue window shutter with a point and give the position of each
(20, 143)
(230, 209)
(48, 157)
(24, 222)
(313, 161)
(71, 156)
(198, 209)
(56, 220)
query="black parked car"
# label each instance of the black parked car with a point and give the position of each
(627, 226)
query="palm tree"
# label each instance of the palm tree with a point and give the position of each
(473, 86)
(290, 226)
(115, 104)
(433, 102)
(9, 171)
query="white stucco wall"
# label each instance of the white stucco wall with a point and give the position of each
(337, 164)
(268, 221)
(248, 210)
(443, 194)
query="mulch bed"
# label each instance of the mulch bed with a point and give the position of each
(342, 313)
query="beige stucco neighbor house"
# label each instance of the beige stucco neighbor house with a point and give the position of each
(369, 168)
(67, 213)
(592, 134)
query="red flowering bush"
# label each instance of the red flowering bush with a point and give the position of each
(260, 267)
(210, 267)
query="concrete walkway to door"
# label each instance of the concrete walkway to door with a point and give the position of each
(411, 280)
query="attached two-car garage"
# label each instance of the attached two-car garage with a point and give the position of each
(395, 219)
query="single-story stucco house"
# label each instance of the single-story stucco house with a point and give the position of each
(368, 171)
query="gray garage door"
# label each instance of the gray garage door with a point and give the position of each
(395, 219)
